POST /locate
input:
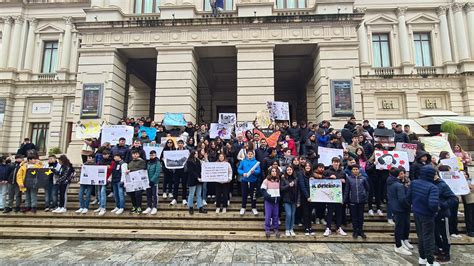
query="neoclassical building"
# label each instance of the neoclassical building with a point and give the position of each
(79, 60)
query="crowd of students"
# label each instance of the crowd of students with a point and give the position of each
(279, 174)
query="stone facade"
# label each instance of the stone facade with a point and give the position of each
(179, 58)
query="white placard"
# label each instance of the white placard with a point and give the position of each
(175, 159)
(41, 108)
(215, 172)
(112, 134)
(157, 149)
(456, 181)
(452, 162)
(384, 160)
(220, 130)
(93, 175)
(227, 118)
(136, 180)
(240, 128)
(279, 110)
(409, 148)
(326, 155)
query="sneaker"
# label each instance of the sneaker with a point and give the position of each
(204, 202)
(185, 202)
(138, 210)
(402, 251)
(407, 244)
(218, 210)
(355, 235)
(391, 222)
(7, 210)
(191, 211)
(94, 202)
(443, 259)
(379, 213)
(111, 195)
(287, 233)
(153, 211)
(133, 210)
(460, 214)
(327, 232)
(173, 202)
(98, 210)
(267, 234)
(147, 211)
(341, 232)
(62, 210)
(56, 210)
(371, 212)
(307, 232)
(45, 209)
(242, 211)
(119, 211)
(164, 195)
(102, 212)
(254, 211)
(84, 211)
(224, 210)
(318, 221)
(292, 233)
(323, 221)
(202, 210)
(170, 195)
(456, 236)
(114, 210)
(422, 261)
(79, 210)
(277, 234)
(213, 196)
(311, 232)
(362, 234)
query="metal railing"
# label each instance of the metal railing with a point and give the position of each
(47, 76)
(426, 71)
(385, 72)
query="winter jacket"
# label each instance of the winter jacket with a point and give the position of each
(292, 147)
(447, 199)
(424, 194)
(12, 178)
(261, 153)
(417, 165)
(24, 148)
(397, 195)
(401, 137)
(267, 162)
(5, 171)
(245, 166)
(117, 149)
(295, 133)
(303, 187)
(269, 189)
(21, 174)
(289, 194)
(357, 189)
(154, 170)
(64, 175)
(128, 157)
(311, 146)
(323, 140)
(194, 172)
(136, 165)
(119, 171)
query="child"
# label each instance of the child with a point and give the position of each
(271, 193)
(14, 193)
(5, 170)
(116, 179)
(289, 196)
(248, 180)
(85, 189)
(193, 167)
(51, 189)
(32, 161)
(355, 194)
(335, 171)
(136, 164)
(320, 207)
(397, 195)
(154, 170)
(102, 189)
(222, 189)
(305, 199)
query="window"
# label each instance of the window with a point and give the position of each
(422, 49)
(226, 4)
(381, 48)
(286, 4)
(39, 136)
(50, 57)
(147, 6)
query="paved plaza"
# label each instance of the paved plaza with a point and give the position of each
(56, 252)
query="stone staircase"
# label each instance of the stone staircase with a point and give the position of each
(175, 223)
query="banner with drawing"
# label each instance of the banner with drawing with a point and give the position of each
(136, 181)
(326, 155)
(454, 162)
(384, 160)
(436, 144)
(263, 119)
(409, 148)
(150, 132)
(37, 177)
(175, 159)
(279, 110)
(325, 190)
(88, 130)
(227, 118)
(157, 148)
(215, 172)
(220, 130)
(240, 128)
(113, 133)
(456, 181)
(93, 175)
(174, 119)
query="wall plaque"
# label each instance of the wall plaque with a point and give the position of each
(41, 108)
(91, 104)
(341, 95)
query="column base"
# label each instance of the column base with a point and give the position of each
(408, 68)
(8, 73)
(450, 67)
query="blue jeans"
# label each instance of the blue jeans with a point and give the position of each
(51, 195)
(119, 195)
(3, 195)
(204, 190)
(31, 199)
(85, 189)
(290, 210)
(102, 195)
(198, 190)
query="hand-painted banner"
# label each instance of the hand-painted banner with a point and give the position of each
(215, 172)
(175, 159)
(157, 149)
(263, 119)
(37, 177)
(454, 162)
(279, 110)
(456, 181)
(436, 144)
(325, 190)
(113, 133)
(240, 128)
(93, 175)
(227, 118)
(136, 181)
(150, 132)
(88, 129)
(409, 148)
(220, 130)
(326, 155)
(174, 119)
(384, 160)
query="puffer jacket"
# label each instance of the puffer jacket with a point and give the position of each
(245, 166)
(357, 189)
(154, 170)
(424, 194)
(397, 195)
(303, 187)
(289, 194)
(447, 199)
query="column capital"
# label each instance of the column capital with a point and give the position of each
(68, 20)
(441, 10)
(19, 19)
(33, 22)
(457, 7)
(361, 9)
(469, 7)
(8, 20)
(401, 11)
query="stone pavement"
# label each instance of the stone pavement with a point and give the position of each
(56, 252)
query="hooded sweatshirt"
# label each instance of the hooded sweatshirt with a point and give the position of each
(397, 195)
(417, 165)
(424, 194)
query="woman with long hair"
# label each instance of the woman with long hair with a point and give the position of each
(168, 173)
(193, 166)
(222, 189)
(464, 156)
(289, 196)
(64, 176)
(361, 158)
(303, 184)
(271, 193)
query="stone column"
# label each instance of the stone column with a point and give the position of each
(30, 44)
(255, 79)
(470, 22)
(176, 82)
(57, 122)
(443, 28)
(363, 46)
(7, 29)
(461, 32)
(66, 49)
(403, 36)
(15, 43)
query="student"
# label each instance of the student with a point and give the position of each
(154, 170)
(319, 207)
(223, 189)
(5, 169)
(355, 194)
(31, 201)
(397, 194)
(193, 167)
(167, 173)
(85, 190)
(102, 189)
(305, 200)
(14, 193)
(248, 180)
(335, 171)
(424, 196)
(468, 201)
(136, 164)
(271, 193)
(50, 189)
(179, 176)
(116, 179)
(289, 197)
(63, 179)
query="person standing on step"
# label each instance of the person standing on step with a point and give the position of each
(5, 170)
(335, 171)
(85, 190)
(468, 201)
(63, 174)
(223, 189)
(14, 193)
(51, 189)
(154, 171)
(179, 176)
(167, 173)
(193, 167)
(289, 196)
(355, 195)
(305, 199)
(102, 189)
(136, 164)
(271, 193)
(117, 179)
(249, 170)
(31, 201)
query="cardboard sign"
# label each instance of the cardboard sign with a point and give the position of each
(113, 133)
(384, 160)
(93, 175)
(37, 177)
(263, 119)
(409, 148)
(325, 190)
(279, 110)
(150, 132)
(436, 144)
(89, 130)
(157, 149)
(240, 128)
(227, 118)
(175, 159)
(172, 119)
(326, 155)
(454, 162)
(220, 130)
(215, 172)
(136, 181)
(456, 181)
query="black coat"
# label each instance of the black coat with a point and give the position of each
(289, 194)
(193, 170)
(24, 148)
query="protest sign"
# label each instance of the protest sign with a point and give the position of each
(227, 118)
(174, 119)
(272, 138)
(220, 130)
(409, 148)
(456, 181)
(136, 180)
(240, 128)
(326, 155)
(88, 130)
(454, 162)
(384, 160)
(175, 159)
(263, 119)
(150, 132)
(325, 190)
(93, 175)
(37, 177)
(279, 110)
(157, 148)
(436, 144)
(113, 133)
(215, 172)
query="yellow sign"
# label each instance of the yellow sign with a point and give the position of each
(88, 129)
(263, 119)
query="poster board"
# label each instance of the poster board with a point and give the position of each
(215, 172)
(37, 177)
(112, 134)
(341, 98)
(326, 155)
(279, 110)
(89, 129)
(175, 159)
(436, 144)
(325, 190)
(385, 160)
(157, 148)
(93, 175)
(227, 118)
(91, 102)
(220, 130)
(136, 181)
(174, 119)
(240, 128)
(150, 132)
(454, 162)
(456, 181)
(263, 119)
(409, 148)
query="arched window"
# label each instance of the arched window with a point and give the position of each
(288, 4)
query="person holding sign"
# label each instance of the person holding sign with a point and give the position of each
(117, 180)
(136, 164)
(289, 196)
(154, 170)
(223, 189)
(193, 166)
(64, 173)
(356, 194)
(335, 171)
(32, 161)
(85, 190)
(249, 169)
(271, 193)
(464, 156)
(102, 189)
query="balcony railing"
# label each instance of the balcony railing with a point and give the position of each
(426, 71)
(385, 72)
(56, 1)
(47, 76)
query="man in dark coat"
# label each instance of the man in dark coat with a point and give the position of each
(26, 146)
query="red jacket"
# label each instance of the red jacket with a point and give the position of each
(292, 147)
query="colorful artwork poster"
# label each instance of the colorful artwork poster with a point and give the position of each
(325, 190)
(385, 160)
(222, 131)
(341, 92)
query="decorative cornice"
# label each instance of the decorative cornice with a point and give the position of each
(441, 10)
(401, 11)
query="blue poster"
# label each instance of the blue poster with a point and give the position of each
(173, 119)
(150, 132)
